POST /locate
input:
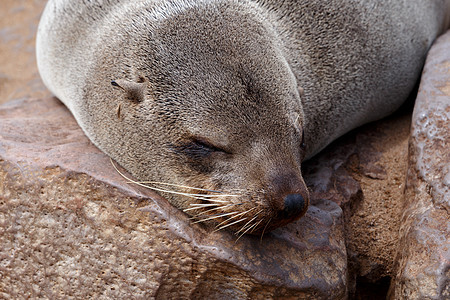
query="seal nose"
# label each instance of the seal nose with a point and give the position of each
(294, 205)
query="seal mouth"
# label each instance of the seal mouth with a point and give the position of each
(241, 218)
(295, 206)
(226, 214)
(240, 213)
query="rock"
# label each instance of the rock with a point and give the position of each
(423, 259)
(19, 77)
(364, 172)
(72, 227)
(326, 174)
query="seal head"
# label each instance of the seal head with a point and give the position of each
(223, 118)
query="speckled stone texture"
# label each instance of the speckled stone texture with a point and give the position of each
(424, 252)
(70, 226)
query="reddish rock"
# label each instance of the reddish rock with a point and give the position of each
(423, 258)
(72, 227)
(19, 76)
(364, 173)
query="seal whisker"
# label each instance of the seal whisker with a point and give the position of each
(265, 227)
(214, 200)
(199, 196)
(203, 204)
(181, 186)
(217, 208)
(247, 211)
(256, 225)
(225, 226)
(199, 206)
(166, 191)
(235, 216)
(215, 217)
(250, 227)
(212, 196)
(248, 223)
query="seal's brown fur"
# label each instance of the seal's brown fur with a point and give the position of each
(221, 95)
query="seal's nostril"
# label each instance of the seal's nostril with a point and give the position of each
(294, 205)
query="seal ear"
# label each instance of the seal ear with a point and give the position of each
(135, 91)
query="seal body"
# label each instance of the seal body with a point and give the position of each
(216, 103)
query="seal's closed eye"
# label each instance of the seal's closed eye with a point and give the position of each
(198, 149)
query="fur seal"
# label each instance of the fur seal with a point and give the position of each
(215, 103)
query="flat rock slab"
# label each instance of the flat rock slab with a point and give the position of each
(424, 252)
(72, 227)
(19, 76)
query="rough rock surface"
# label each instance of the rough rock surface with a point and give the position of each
(424, 252)
(19, 77)
(364, 172)
(71, 226)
